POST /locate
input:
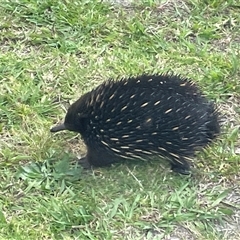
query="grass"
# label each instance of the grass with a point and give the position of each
(54, 51)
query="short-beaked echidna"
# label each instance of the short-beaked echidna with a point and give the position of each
(141, 117)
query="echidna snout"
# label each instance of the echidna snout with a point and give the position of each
(58, 128)
(141, 117)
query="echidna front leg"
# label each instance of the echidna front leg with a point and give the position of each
(100, 157)
(182, 168)
(84, 163)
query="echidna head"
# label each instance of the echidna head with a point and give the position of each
(75, 120)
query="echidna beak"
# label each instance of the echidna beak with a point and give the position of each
(58, 128)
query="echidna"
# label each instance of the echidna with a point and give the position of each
(140, 117)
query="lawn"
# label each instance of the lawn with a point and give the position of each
(52, 52)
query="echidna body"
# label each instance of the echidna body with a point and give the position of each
(141, 117)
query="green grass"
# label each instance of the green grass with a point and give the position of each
(52, 52)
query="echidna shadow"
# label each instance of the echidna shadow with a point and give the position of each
(143, 117)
